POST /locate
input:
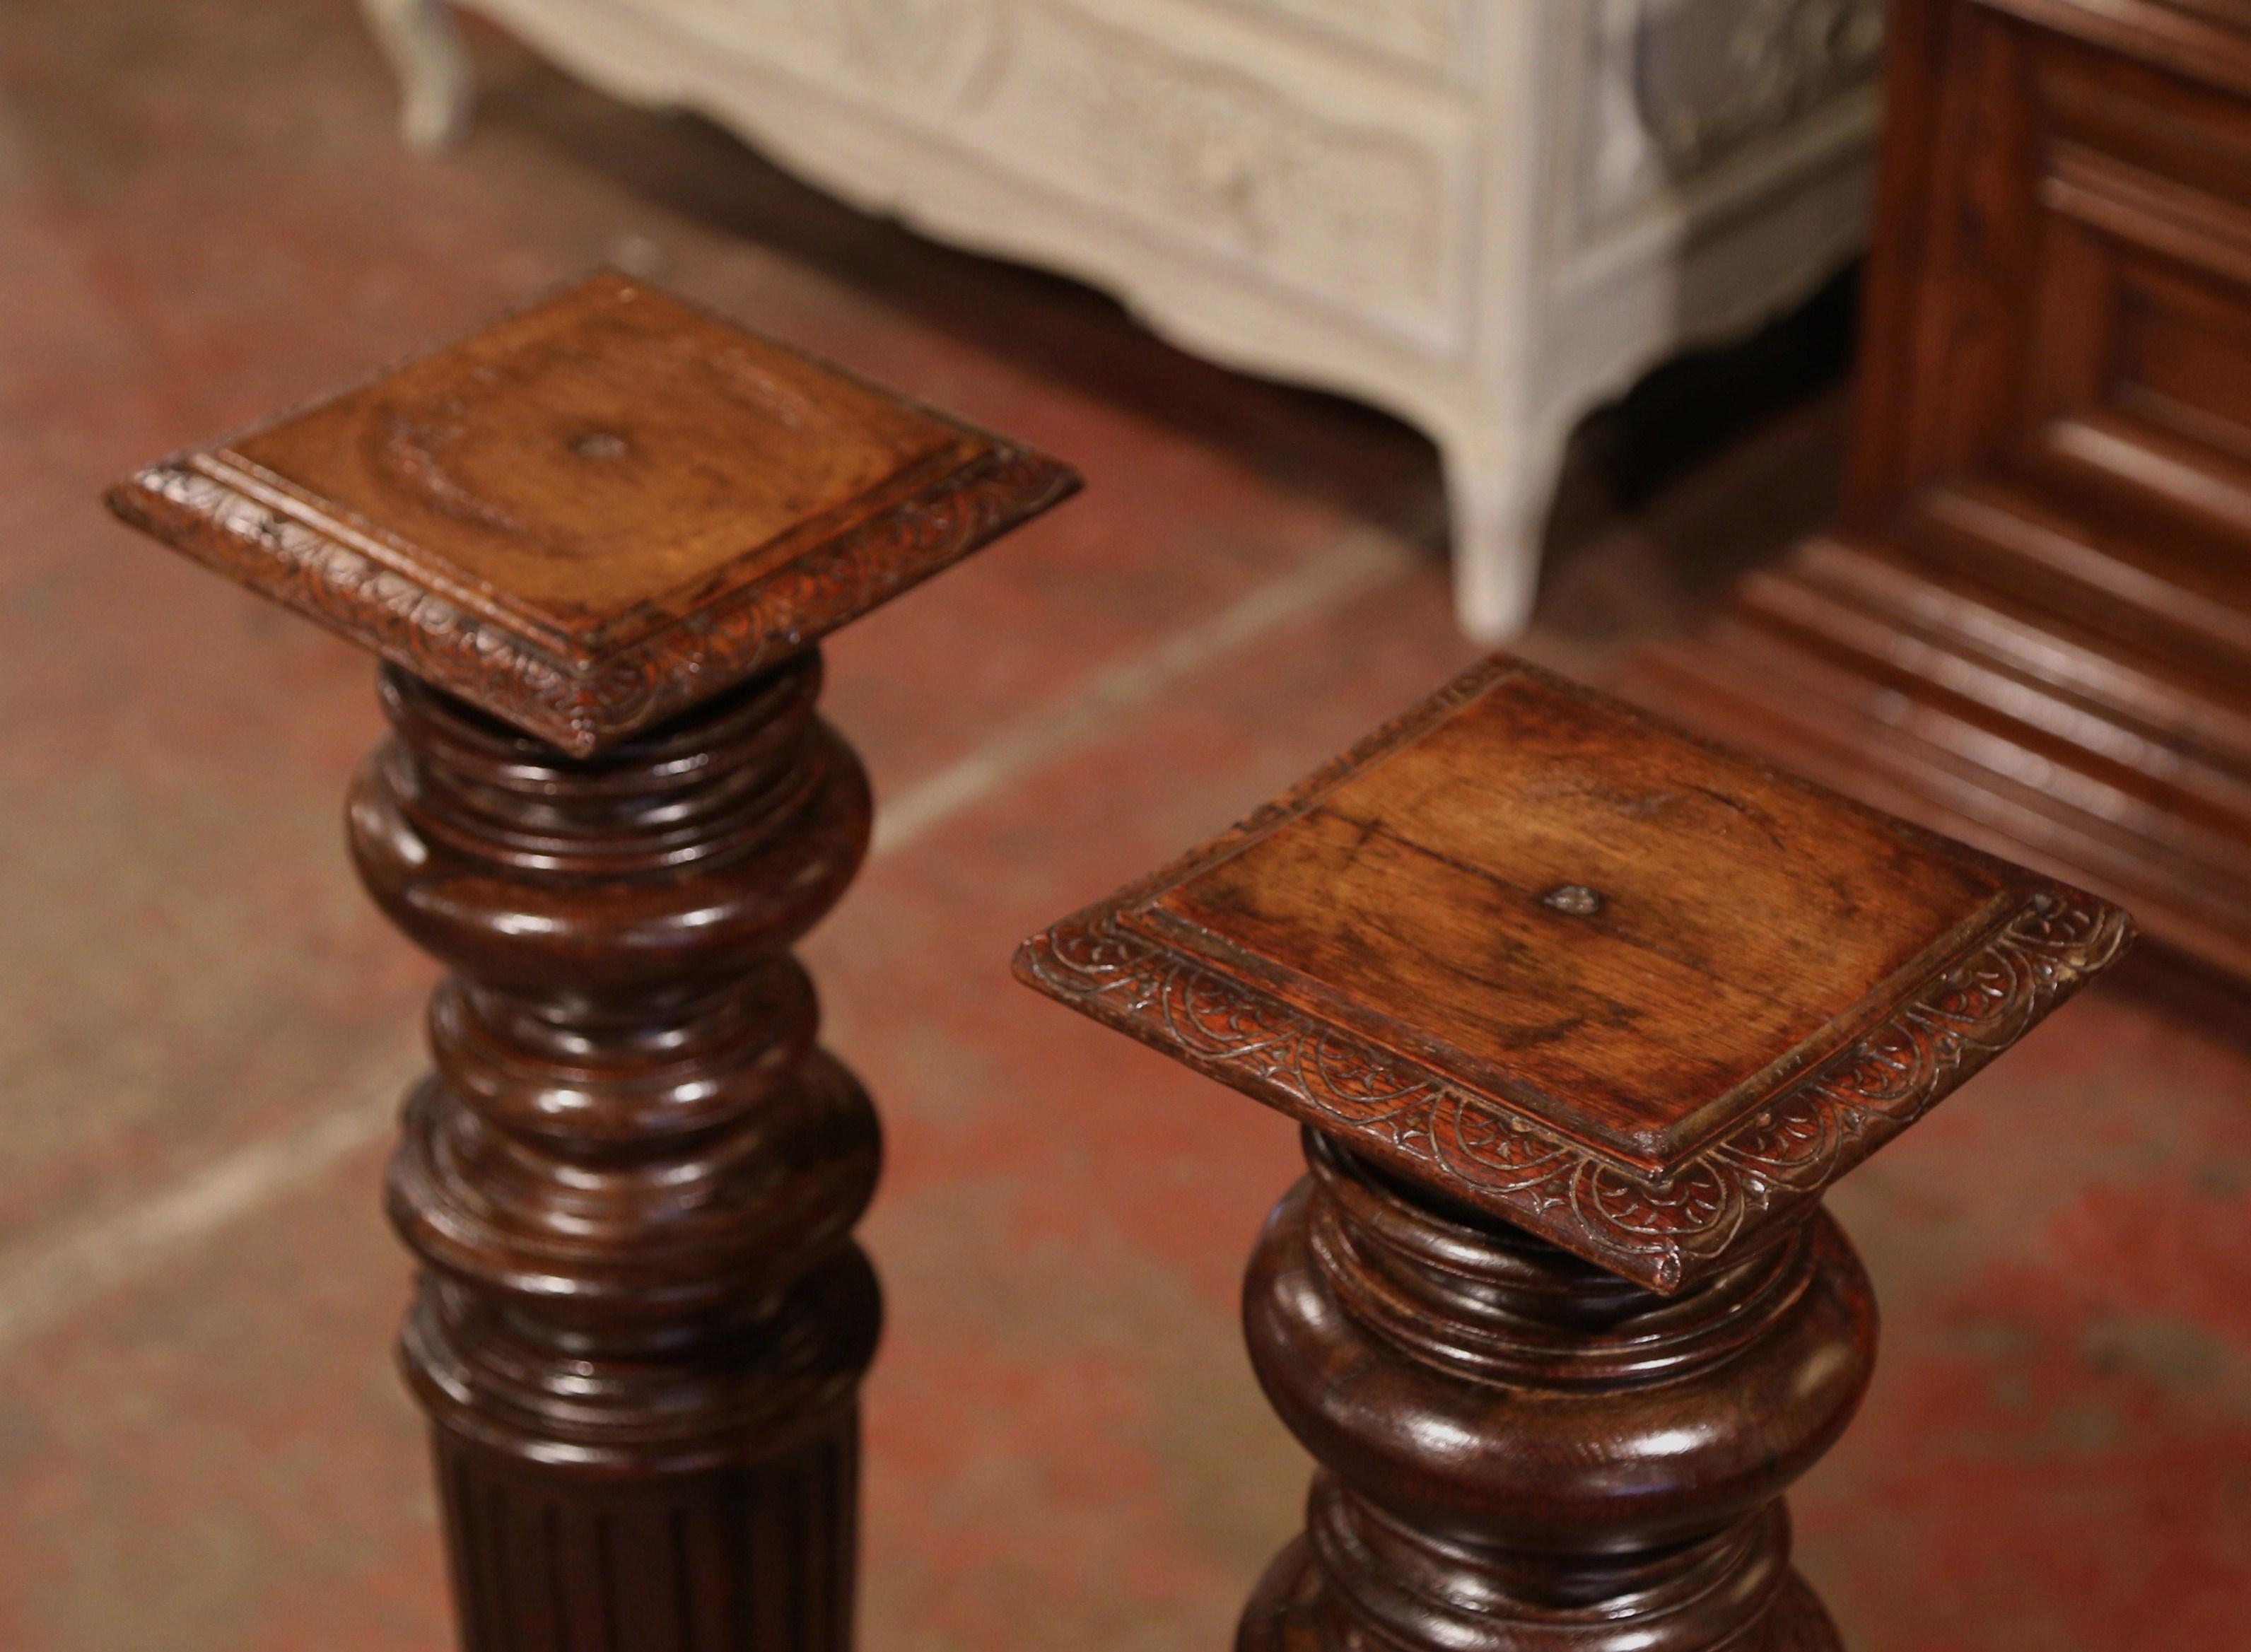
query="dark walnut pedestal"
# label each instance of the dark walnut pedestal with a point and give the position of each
(1581, 1016)
(597, 544)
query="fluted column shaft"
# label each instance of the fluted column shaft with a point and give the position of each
(632, 1178)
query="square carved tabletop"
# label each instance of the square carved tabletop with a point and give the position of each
(1636, 994)
(595, 513)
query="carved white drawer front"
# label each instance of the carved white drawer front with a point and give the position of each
(1484, 215)
(1677, 88)
(1345, 187)
(1277, 154)
(924, 52)
(1712, 75)
(1438, 36)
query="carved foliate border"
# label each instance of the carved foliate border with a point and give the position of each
(585, 705)
(1663, 1232)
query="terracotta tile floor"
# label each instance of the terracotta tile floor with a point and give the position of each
(203, 216)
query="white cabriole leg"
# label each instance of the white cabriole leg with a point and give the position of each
(1500, 485)
(424, 48)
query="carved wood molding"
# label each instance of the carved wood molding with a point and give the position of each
(1662, 1232)
(231, 523)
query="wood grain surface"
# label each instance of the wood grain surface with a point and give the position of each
(595, 513)
(1541, 950)
(604, 458)
(1569, 907)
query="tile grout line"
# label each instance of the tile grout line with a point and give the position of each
(1361, 560)
(109, 1252)
(113, 1250)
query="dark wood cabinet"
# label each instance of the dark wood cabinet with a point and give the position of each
(2031, 627)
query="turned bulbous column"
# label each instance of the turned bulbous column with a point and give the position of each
(1513, 1440)
(1581, 1016)
(597, 544)
(633, 1177)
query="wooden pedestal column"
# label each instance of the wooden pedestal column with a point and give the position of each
(597, 544)
(1581, 1017)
